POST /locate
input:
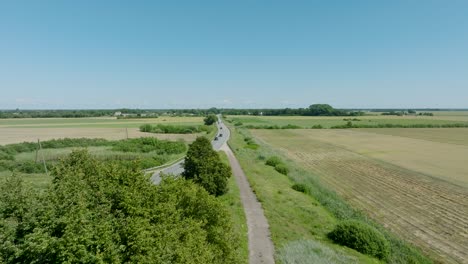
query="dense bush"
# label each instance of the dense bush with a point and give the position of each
(361, 237)
(29, 167)
(146, 128)
(97, 212)
(273, 161)
(282, 168)
(210, 119)
(204, 166)
(299, 187)
(251, 144)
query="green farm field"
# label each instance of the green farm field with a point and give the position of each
(371, 120)
(417, 188)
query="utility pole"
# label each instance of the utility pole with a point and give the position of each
(126, 130)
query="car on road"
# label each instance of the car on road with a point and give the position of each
(216, 138)
(220, 135)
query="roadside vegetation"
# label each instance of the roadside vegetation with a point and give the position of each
(312, 213)
(176, 129)
(31, 157)
(102, 212)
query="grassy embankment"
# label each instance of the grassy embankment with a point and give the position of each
(300, 222)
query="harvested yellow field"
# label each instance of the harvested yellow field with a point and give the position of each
(383, 176)
(458, 136)
(16, 135)
(441, 160)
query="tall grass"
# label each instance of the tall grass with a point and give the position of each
(310, 251)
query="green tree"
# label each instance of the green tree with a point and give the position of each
(102, 212)
(204, 166)
(210, 119)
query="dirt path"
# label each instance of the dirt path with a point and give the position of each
(261, 249)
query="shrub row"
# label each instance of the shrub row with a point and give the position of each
(352, 125)
(161, 149)
(288, 126)
(278, 164)
(7, 152)
(149, 144)
(175, 129)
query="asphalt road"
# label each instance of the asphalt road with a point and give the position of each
(177, 168)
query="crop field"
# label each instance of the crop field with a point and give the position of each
(11, 135)
(327, 122)
(102, 122)
(31, 129)
(458, 136)
(406, 184)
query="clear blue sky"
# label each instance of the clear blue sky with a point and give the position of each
(177, 54)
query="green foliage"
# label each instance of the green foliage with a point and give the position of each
(250, 143)
(210, 119)
(146, 128)
(8, 151)
(289, 126)
(97, 212)
(299, 187)
(149, 144)
(157, 152)
(426, 114)
(282, 168)
(174, 129)
(273, 161)
(361, 237)
(204, 166)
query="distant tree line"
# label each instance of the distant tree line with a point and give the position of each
(313, 110)
(119, 113)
